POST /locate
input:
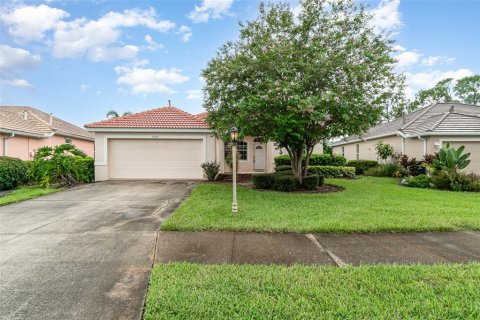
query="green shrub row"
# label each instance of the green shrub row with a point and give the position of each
(387, 170)
(13, 172)
(315, 160)
(285, 181)
(361, 166)
(332, 171)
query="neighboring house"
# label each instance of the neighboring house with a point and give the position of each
(168, 143)
(25, 129)
(421, 132)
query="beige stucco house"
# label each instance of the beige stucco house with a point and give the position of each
(421, 132)
(168, 143)
(25, 129)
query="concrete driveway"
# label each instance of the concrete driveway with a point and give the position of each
(84, 253)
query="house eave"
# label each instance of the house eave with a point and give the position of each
(27, 134)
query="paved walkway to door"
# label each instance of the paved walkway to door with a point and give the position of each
(319, 249)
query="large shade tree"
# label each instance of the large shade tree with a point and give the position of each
(300, 78)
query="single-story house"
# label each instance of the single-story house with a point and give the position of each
(168, 143)
(25, 129)
(421, 132)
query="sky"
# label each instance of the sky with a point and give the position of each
(80, 59)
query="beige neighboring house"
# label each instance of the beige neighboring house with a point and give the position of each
(421, 132)
(25, 129)
(168, 143)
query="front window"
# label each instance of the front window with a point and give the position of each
(343, 151)
(242, 150)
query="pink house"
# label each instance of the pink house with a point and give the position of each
(25, 129)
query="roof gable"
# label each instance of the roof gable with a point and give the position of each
(160, 118)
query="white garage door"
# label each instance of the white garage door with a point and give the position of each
(155, 159)
(474, 148)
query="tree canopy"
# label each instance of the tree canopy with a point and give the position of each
(299, 79)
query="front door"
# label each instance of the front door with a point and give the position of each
(259, 160)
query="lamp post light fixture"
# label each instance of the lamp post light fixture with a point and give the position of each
(234, 138)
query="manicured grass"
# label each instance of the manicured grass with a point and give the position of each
(191, 291)
(25, 193)
(366, 205)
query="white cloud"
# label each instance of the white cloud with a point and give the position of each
(84, 87)
(152, 45)
(407, 58)
(31, 22)
(12, 60)
(17, 58)
(185, 32)
(210, 9)
(95, 38)
(399, 48)
(98, 54)
(143, 80)
(425, 80)
(386, 17)
(20, 83)
(194, 94)
(432, 60)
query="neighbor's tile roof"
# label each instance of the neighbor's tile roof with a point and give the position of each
(37, 122)
(160, 118)
(439, 117)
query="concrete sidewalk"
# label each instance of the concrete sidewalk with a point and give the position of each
(319, 249)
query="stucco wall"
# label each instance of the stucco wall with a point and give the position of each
(367, 148)
(25, 147)
(101, 147)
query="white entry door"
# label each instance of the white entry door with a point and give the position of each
(259, 163)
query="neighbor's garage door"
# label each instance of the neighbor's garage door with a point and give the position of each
(155, 159)
(474, 148)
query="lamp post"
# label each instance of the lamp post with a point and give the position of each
(234, 138)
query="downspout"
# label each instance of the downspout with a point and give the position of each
(5, 144)
(424, 145)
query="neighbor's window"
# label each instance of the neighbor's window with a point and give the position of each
(343, 151)
(68, 140)
(242, 150)
(358, 151)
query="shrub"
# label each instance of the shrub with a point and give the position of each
(61, 164)
(263, 180)
(384, 150)
(420, 181)
(362, 165)
(441, 180)
(13, 172)
(387, 170)
(323, 159)
(282, 168)
(284, 183)
(411, 165)
(210, 170)
(310, 182)
(332, 171)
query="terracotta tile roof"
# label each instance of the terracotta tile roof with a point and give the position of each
(202, 115)
(160, 118)
(28, 120)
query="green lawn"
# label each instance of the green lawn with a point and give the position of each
(25, 193)
(366, 205)
(191, 291)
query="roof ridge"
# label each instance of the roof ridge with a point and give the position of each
(425, 110)
(437, 123)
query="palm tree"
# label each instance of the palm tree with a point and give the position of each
(115, 114)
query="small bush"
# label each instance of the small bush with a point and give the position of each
(83, 169)
(420, 181)
(441, 180)
(13, 172)
(332, 171)
(311, 182)
(284, 183)
(210, 170)
(362, 165)
(315, 160)
(282, 168)
(387, 170)
(263, 180)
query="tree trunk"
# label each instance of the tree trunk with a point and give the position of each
(296, 160)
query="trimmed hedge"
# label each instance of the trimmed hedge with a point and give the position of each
(263, 180)
(13, 172)
(310, 182)
(361, 166)
(83, 169)
(284, 168)
(332, 171)
(315, 160)
(387, 170)
(285, 183)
